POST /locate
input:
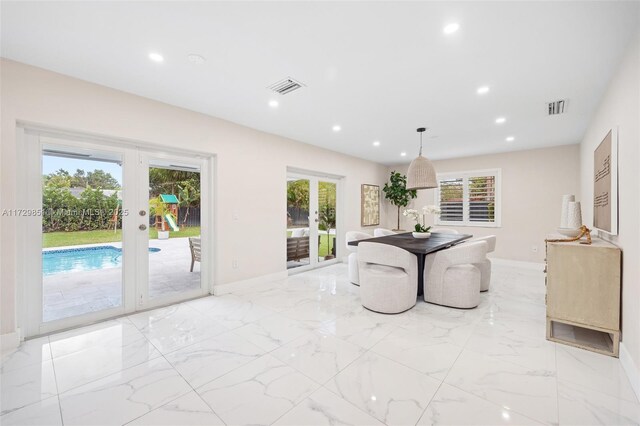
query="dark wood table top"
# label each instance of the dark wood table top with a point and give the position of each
(437, 241)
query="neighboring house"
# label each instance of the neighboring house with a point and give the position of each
(106, 192)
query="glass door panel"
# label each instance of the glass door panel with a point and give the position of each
(299, 228)
(82, 252)
(174, 252)
(326, 220)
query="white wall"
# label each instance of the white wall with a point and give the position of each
(533, 183)
(251, 166)
(621, 107)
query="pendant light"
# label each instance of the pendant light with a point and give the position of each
(421, 174)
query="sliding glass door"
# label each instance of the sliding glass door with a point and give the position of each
(114, 229)
(311, 221)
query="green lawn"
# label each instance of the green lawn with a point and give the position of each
(61, 239)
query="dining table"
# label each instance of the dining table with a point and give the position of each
(421, 247)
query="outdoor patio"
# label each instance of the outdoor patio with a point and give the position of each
(77, 293)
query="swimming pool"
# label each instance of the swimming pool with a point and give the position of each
(82, 259)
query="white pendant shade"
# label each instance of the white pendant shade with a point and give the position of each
(421, 174)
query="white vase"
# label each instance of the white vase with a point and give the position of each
(421, 234)
(564, 214)
(574, 215)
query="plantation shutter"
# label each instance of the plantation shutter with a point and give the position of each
(451, 200)
(469, 198)
(482, 199)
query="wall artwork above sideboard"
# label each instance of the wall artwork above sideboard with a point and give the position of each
(605, 184)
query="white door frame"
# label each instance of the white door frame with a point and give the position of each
(145, 158)
(29, 248)
(314, 178)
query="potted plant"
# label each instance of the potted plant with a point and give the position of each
(421, 230)
(397, 193)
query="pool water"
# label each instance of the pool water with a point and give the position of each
(82, 259)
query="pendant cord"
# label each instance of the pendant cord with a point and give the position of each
(420, 144)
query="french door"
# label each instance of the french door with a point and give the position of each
(115, 229)
(312, 221)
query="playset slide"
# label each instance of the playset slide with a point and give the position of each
(172, 223)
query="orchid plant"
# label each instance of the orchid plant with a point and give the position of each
(420, 216)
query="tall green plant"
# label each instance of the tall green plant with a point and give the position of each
(188, 194)
(397, 193)
(298, 194)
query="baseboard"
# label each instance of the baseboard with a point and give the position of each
(10, 341)
(538, 266)
(239, 285)
(630, 368)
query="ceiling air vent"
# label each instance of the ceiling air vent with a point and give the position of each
(285, 86)
(557, 107)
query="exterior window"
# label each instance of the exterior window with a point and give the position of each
(469, 198)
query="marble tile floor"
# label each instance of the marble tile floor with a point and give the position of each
(302, 351)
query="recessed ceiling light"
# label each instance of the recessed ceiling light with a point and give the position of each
(482, 90)
(376, 143)
(156, 57)
(451, 28)
(196, 59)
(336, 128)
(510, 139)
(403, 154)
(500, 120)
(273, 103)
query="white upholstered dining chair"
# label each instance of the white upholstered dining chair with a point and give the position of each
(485, 265)
(382, 232)
(388, 278)
(450, 277)
(353, 256)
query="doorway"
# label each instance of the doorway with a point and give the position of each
(120, 228)
(312, 221)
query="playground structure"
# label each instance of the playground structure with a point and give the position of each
(167, 218)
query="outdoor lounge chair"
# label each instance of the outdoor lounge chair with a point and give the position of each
(194, 245)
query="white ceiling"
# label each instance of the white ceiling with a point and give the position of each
(378, 69)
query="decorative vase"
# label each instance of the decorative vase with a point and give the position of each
(574, 215)
(421, 234)
(564, 215)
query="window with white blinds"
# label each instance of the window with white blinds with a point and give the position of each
(469, 198)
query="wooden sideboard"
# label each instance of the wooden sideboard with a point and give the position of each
(583, 295)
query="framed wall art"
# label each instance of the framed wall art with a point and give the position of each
(370, 205)
(605, 184)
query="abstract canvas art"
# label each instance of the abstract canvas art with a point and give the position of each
(605, 184)
(370, 205)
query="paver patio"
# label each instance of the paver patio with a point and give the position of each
(76, 293)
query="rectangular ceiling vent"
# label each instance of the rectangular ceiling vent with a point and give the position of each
(285, 86)
(557, 107)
